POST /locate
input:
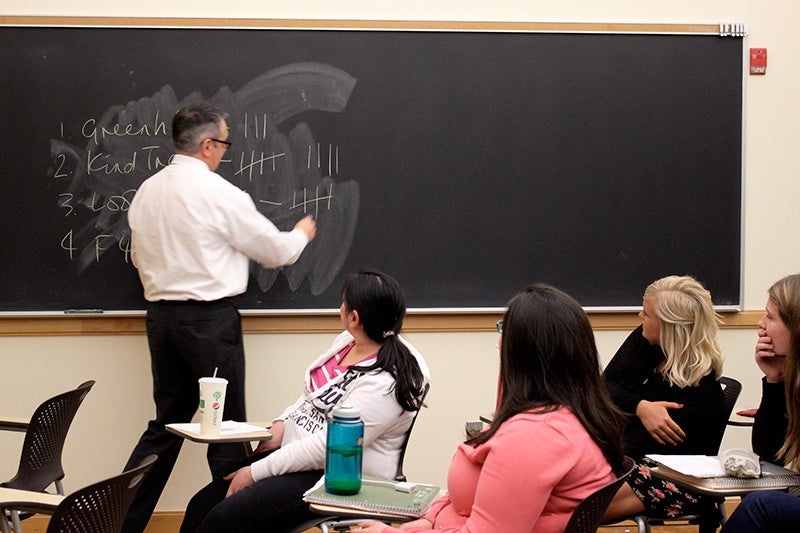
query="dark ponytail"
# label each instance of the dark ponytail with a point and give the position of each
(381, 307)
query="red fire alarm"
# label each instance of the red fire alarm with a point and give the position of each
(758, 61)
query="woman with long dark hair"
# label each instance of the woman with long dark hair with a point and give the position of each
(555, 437)
(369, 366)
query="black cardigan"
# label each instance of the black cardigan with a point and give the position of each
(769, 428)
(631, 377)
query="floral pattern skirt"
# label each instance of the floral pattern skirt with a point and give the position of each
(661, 498)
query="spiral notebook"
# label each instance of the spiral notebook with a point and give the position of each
(378, 496)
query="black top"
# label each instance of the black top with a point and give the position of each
(631, 377)
(769, 428)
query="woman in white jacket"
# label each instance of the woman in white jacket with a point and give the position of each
(368, 366)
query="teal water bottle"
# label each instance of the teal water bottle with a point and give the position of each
(344, 450)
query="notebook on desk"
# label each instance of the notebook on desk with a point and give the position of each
(378, 496)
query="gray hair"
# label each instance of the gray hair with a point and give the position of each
(195, 123)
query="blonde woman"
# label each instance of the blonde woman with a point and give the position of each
(665, 377)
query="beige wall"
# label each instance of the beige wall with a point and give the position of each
(463, 364)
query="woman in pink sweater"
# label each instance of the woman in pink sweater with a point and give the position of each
(556, 436)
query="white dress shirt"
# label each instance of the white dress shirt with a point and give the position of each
(193, 233)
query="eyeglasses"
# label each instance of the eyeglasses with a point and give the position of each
(227, 144)
(500, 326)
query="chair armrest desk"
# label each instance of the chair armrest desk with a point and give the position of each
(263, 434)
(26, 500)
(13, 423)
(732, 486)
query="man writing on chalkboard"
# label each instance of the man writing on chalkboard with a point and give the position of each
(192, 235)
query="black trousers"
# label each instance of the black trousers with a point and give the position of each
(274, 504)
(187, 340)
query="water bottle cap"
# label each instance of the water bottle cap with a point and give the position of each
(347, 412)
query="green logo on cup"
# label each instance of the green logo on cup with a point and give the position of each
(217, 395)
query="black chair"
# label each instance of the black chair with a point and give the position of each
(40, 459)
(330, 522)
(98, 508)
(712, 514)
(587, 516)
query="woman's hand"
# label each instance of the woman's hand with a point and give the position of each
(373, 526)
(770, 363)
(369, 526)
(422, 523)
(656, 419)
(239, 480)
(275, 442)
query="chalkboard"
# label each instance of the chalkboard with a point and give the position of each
(465, 163)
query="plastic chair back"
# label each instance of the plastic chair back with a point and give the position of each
(730, 393)
(589, 513)
(400, 476)
(100, 507)
(40, 460)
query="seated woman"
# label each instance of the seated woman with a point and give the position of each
(368, 366)
(776, 432)
(665, 376)
(555, 437)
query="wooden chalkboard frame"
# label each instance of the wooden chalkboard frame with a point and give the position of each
(344, 24)
(419, 322)
(441, 321)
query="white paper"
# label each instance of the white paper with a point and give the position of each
(693, 465)
(228, 427)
